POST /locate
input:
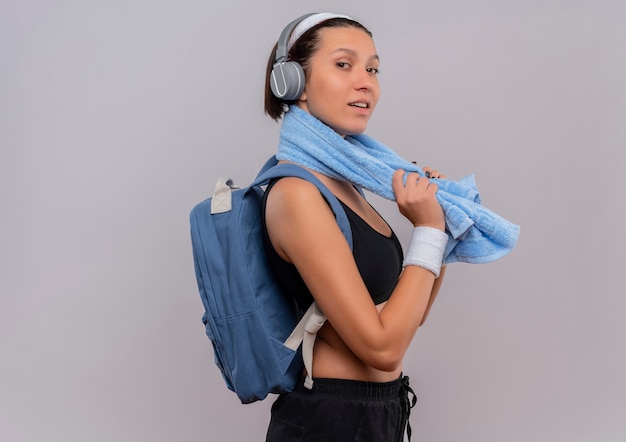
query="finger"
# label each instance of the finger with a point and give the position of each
(412, 179)
(428, 171)
(432, 187)
(421, 182)
(397, 177)
(396, 181)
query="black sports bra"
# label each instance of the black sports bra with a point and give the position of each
(378, 258)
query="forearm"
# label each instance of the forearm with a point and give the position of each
(433, 294)
(403, 313)
(411, 299)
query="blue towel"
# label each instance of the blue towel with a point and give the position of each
(476, 234)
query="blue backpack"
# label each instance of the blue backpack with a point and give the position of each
(255, 328)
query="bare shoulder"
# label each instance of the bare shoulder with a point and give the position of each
(294, 189)
(292, 197)
(296, 212)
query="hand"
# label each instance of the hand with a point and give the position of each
(416, 199)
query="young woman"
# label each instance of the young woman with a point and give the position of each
(374, 298)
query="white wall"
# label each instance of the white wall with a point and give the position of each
(116, 117)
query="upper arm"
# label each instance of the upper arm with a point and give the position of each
(303, 230)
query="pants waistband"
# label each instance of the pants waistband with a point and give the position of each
(359, 389)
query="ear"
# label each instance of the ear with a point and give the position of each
(302, 98)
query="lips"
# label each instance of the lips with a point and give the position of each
(360, 104)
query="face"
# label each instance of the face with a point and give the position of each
(342, 80)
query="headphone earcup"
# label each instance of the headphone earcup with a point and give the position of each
(287, 80)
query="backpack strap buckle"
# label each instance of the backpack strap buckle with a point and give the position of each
(305, 333)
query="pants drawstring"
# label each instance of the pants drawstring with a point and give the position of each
(408, 403)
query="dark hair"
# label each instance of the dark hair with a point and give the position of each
(302, 51)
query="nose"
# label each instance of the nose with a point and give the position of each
(364, 81)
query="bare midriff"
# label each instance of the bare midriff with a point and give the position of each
(332, 358)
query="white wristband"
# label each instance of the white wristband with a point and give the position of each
(426, 249)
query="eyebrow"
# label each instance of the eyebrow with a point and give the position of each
(353, 52)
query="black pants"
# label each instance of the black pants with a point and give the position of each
(338, 410)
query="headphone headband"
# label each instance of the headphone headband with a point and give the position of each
(294, 30)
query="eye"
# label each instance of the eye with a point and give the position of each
(343, 64)
(374, 71)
